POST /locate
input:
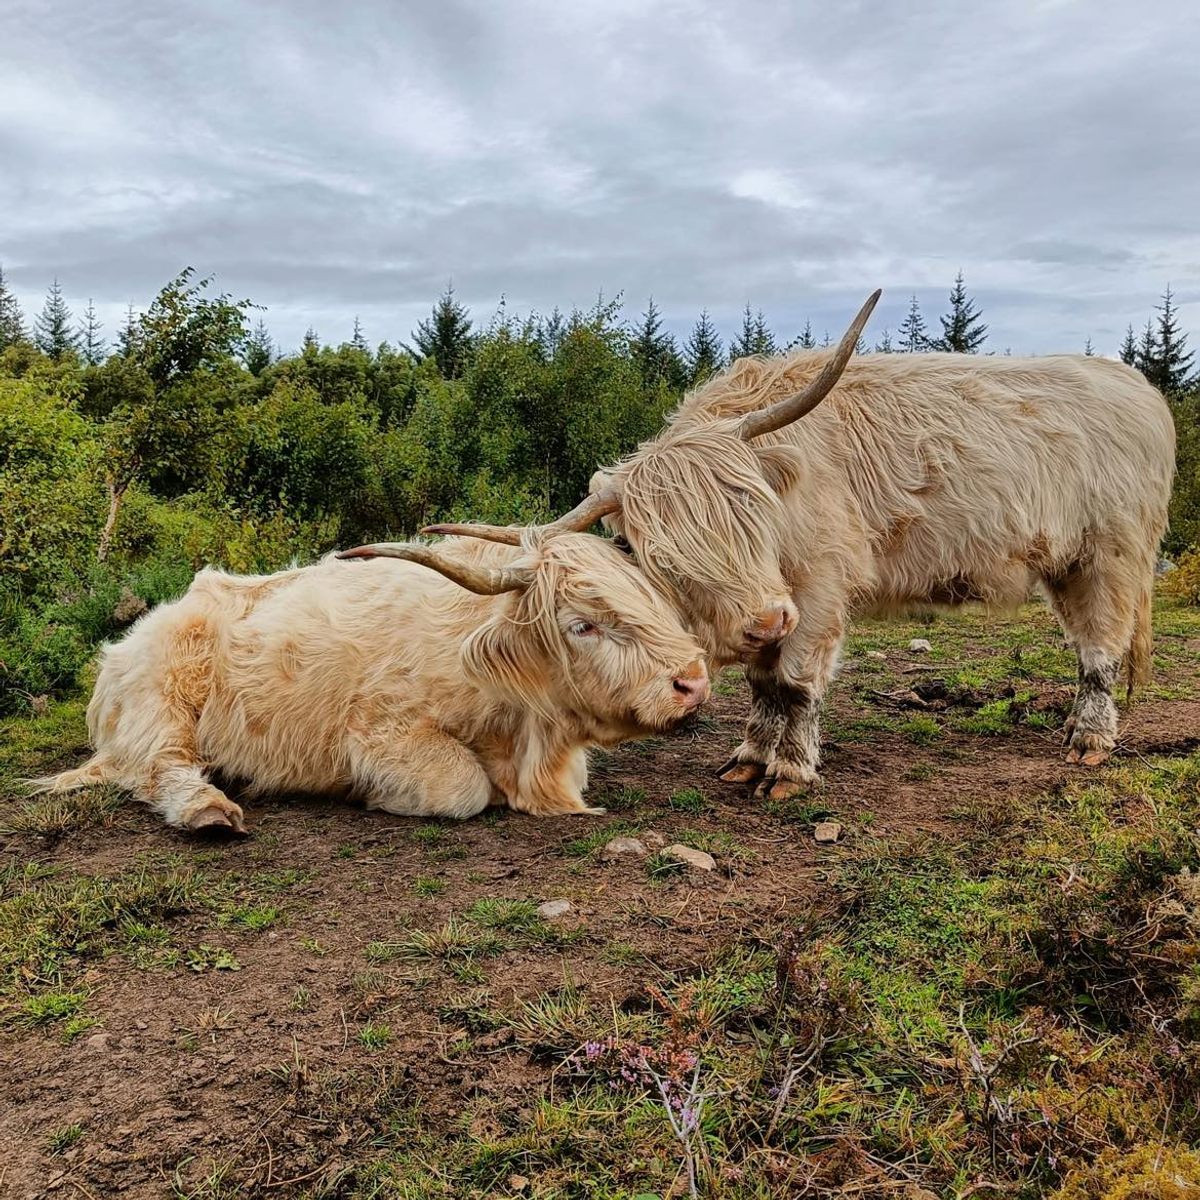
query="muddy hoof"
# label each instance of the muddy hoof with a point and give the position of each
(217, 820)
(784, 789)
(1087, 758)
(740, 772)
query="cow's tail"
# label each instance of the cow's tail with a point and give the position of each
(97, 770)
(1138, 657)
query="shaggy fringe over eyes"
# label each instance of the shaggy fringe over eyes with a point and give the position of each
(702, 511)
(571, 570)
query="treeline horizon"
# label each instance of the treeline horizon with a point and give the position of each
(1159, 349)
(191, 442)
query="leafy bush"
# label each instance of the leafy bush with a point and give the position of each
(1184, 581)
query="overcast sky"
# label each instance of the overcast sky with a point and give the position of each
(327, 160)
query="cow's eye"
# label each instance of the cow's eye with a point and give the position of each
(583, 629)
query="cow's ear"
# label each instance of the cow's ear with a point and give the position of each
(782, 466)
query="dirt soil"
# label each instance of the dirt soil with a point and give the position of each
(264, 1071)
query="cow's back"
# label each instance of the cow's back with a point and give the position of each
(971, 474)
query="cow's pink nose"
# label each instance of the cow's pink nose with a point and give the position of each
(692, 687)
(772, 625)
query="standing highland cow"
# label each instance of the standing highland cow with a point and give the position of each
(463, 676)
(924, 479)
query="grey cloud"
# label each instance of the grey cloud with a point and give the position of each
(792, 156)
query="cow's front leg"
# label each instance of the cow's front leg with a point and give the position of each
(797, 760)
(764, 728)
(807, 662)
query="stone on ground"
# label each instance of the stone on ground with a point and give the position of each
(827, 832)
(621, 846)
(692, 857)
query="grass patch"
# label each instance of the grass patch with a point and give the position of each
(426, 886)
(623, 799)
(660, 867)
(63, 1139)
(690, 800)
(375, 1036)
(53, 816)
(48, 1007)
(591, 843)
(518, 916)
(454, 941)
(249, 916)
(52, 923)
(921, 730)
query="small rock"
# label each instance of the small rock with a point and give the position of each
(919, 646)
(554, 908)
(1164, 566)
(877, 654)
(692, 857)
(827, 832)
(141, 1024)
(129, 607)
(97, 1043)
(620, 846)
(518, 1183)
(40, 705)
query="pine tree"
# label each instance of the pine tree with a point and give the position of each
(550, 332)
(963, 330)
(127, 338)
(1146, 359)
(805, 341)
(826, 341)
(755, 337)
(91, 344)
(742, 345)
(764, 339)
(358, 341)
(1128, 349)
(1172, 367)
(445, 336)
(12, 322)
(703, 352)
(311, 344)
(913, 338)
(653, 350)
(52, 329)
(260, 350)
(884, 345)
(1088, 351)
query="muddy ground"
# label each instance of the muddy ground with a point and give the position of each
(250, 1041)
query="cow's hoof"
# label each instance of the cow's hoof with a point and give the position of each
(1090, 749)
(1087, 758)
(786, 789)
(735, 771)
(216, 818)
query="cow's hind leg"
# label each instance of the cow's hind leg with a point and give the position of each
(178, 791)
(426, 773)
(1096, 603)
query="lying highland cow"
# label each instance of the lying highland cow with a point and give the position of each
(429, 692)
(925, 479)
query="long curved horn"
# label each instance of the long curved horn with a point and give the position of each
(583, 516)
(506, 535)
(485, 581)
(784, 412)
